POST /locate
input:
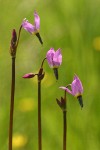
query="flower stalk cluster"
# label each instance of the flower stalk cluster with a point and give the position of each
(54, 59)
(13, 49)
(40, 75)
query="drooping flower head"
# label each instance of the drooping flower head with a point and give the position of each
(33, 28)
(54, 59)
(76, 89)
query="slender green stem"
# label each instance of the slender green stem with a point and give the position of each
(39, 116)
(12, 104)
(65, 125)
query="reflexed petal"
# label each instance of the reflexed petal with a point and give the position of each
(59, 55)
(49, 56)
(54, 58)
(75, 89)
(36, 21)
(57, 59)
(28, 26)
(76, 86)
(79, 83)
(66, 89)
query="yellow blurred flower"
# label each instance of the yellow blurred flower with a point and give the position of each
(19, 140)
(96, 43)
(27, 104)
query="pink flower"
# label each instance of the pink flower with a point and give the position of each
(54, 58)
(76, 89)
(33, 28)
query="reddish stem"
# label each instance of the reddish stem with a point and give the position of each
(65, 125)
(12, 104)
(39, 117)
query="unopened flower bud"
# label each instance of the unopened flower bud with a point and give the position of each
(61, 103)
(13, 43)
(29, 75)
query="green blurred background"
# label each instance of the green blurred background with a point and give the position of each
(73, 26)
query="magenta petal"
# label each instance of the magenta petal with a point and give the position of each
(28, 26)
(66, 89)
(54, 58)
(79, 83)
(76, 86)
(29, 75)
(57, 59)
(36, 21)
(49, 56)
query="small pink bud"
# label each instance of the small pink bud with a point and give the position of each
(29, 75)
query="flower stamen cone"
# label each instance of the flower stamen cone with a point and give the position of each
(80, 100)
(39, 37)
(56, 72)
